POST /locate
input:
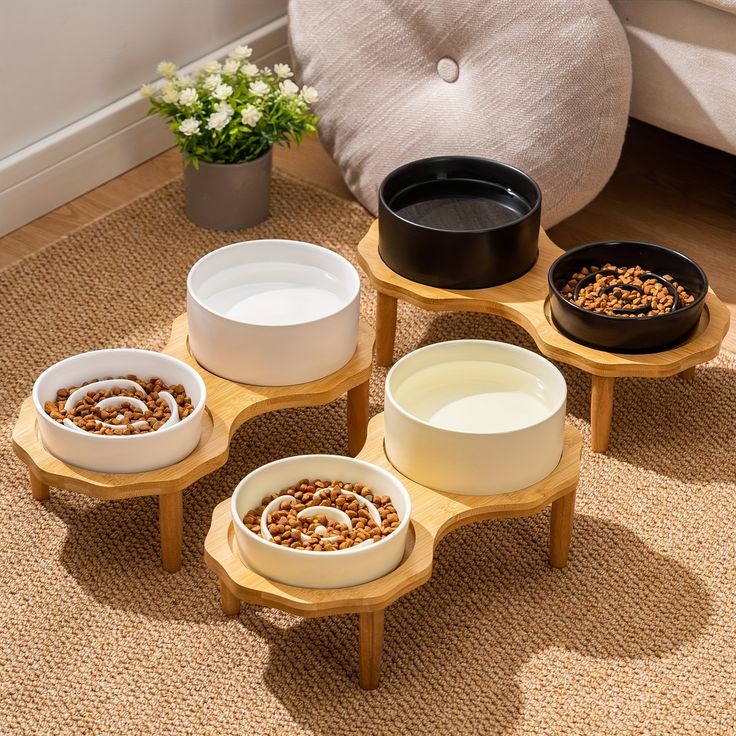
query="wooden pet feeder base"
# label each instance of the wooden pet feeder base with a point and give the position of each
(229, 405)
(434, 514)
(525, 302)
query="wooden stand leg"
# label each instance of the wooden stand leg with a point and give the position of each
(230, 603)
(170, 507)
(357, 418)
(688, 374)
(601, 412)
(560, 529)
(371, 648)
(39, 490)
(385, 329)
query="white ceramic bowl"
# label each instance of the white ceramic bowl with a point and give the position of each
(474, 417)
(273, 312)
(305, 569)
(127, 453)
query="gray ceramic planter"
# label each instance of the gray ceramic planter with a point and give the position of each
(228, 196)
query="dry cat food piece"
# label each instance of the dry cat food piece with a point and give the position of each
(621, 291)
(120, 410)
(323, 517)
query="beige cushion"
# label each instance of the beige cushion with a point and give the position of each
(729, 6)
(541, 84)
(684, 60)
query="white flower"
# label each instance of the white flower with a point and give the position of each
(212, 66)
(211, 82)
(250, 115)
(231, 66)
(259, 88)
(224, 108)
(283, 71)
(218, 120)
(309, 94)
(188, 97)
(288, 88)
(170, 93)
(166, 69)
(249, 70)
(147, 90)
(183, 80)
(241, 53)
(190, 126)
(222, 91)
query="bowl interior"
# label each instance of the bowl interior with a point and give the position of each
(459, 193)
(281, 474)
(273, 282)
(655, 258)
(101, 364)
(477, 387)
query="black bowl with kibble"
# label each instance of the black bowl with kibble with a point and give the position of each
(626, 296)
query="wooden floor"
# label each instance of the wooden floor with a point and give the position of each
(666, 189)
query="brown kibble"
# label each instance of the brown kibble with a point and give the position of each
(285, 527)
(86, 410)
(655, 300)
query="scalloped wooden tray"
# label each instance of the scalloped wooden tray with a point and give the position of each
(229, 405)
(434, 514)
(525, 301)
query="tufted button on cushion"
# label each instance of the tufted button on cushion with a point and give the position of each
(448, 69)
(543, 85)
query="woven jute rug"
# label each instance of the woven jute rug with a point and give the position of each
(636, 636)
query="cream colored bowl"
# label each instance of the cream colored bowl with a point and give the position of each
(302, 568)
(474, 417)
(126, 453)
(273, 312)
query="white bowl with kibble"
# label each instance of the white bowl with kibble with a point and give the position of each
(116, 452)
(327, 569)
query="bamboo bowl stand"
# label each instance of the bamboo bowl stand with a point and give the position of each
(434, 514)
(229, 405)
(525, 302)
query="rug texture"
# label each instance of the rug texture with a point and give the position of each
(636, 636)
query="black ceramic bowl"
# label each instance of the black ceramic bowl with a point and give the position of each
(621, 334)
(459, 222)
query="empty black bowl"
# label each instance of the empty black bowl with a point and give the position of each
(622, 334)
(459, 222)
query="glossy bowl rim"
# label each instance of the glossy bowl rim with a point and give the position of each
(400, 169)
(198, 410)
(313, 247)
(388, 393)
(663, 248)
(293, 458)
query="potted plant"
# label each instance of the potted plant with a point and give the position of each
(226, 118)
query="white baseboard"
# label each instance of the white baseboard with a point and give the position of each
(102, 145)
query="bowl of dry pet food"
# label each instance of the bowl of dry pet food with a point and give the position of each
(321, 521)
(626, 296)
(120, 411)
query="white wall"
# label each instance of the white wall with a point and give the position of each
(70, 71)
